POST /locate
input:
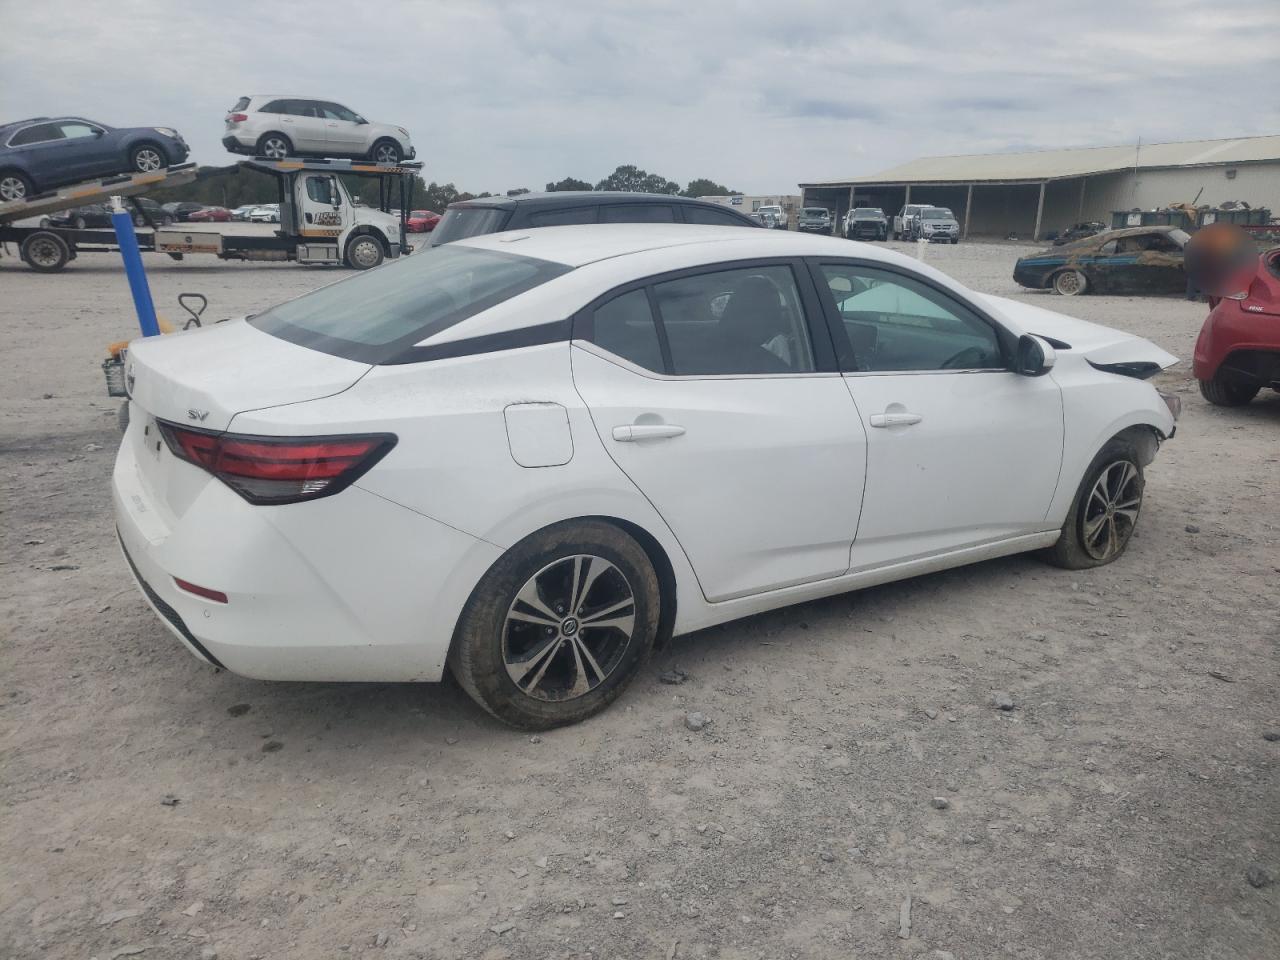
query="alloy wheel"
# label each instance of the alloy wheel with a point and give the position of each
(386, 153)
(12, 188)
(1111, 512)
(275, 148)
(568, 628)
(148, 160)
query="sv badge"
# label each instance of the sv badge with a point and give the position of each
(197, 414)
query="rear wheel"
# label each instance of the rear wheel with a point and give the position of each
(364, 252)
(1070, 283)
(274, 146)
(1105, 512)
(1224, 392)
(15, 186)
(80, 223)
(45, 251)
(386, 151)
(559, 626)
(147, 158)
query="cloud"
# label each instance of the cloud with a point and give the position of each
(760, 97)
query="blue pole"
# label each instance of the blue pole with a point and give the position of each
(127, 240)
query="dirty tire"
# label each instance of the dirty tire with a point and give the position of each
(45, 251)
(364, 252)
(1070, 283)
(1116, 475)
(503, 642)
(1222, 392)
(274, 146)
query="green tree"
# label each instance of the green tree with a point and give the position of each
(631, 178)
(517, 191)
(702, 187)
(568, 183)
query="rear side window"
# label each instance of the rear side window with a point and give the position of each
(458, 223)
(625, 327)
(560, 218)
(276, 106)
(637, 213)
(718, 218)
(375, 317)
(37, 134)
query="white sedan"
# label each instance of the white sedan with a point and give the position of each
(532, 456)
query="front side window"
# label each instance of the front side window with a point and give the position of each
(336, 111)
(893, 322)
(320, 189)
(375, 317)
(637, 213)
(75, 130)
(744, 321)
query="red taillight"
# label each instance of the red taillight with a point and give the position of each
(217, 596)
(279, 469)
(238, 117)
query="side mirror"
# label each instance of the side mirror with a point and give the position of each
(98, 131)
(1034, 358)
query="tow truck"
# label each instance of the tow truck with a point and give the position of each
(319, 222)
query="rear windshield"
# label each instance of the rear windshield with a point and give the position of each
(240, 104)
(458, 223)
(375, 317)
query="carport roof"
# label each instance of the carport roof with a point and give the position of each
(1057, 164)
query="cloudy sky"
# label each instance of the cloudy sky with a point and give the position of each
(755, 95)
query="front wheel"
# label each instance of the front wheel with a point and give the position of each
(147, 158)
(364, 252)
(1070, 283)
(1105, 511)
(386, 151)
(1223, 392)
(559, 626)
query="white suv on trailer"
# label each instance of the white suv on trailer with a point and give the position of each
(279, 126)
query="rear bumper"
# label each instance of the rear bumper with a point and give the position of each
(350, 587)
(233, 144)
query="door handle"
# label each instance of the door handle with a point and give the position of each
(894, 419)
(646, 431)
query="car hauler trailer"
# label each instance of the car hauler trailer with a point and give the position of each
(50, 248)
(319, 222)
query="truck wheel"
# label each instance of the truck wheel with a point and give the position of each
(274, 146)
(1070, 283)
(147, 158)
(364, 252)
(15, 186)
(386, 151)
(45, 251)
(1222, 392)
(559, 626)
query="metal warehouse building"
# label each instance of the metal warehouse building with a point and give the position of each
(1031, 193)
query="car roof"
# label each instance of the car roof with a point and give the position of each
(561, 199)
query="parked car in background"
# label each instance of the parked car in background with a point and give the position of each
(81, 218)
(210, 214)
(277, 127)
(158, 214)
(1238, 350)
(266, 213)
(869, 222)
(775, 218)
(181, 210)
(938, 225)
(43, 154)
(1078, 231)
(471, 218)
(1136, 260)
(241, 213)
(814, 220)
(907, 221)
(480, 458)
(422, 221)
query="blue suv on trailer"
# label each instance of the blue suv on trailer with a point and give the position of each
(45, 153)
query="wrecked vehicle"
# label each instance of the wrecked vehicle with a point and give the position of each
(1238, 350)
(1138, 260)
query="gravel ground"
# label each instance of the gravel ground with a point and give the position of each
(1125, 807)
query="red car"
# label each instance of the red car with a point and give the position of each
(1238, 351)
(422, 221)
(221, 214)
